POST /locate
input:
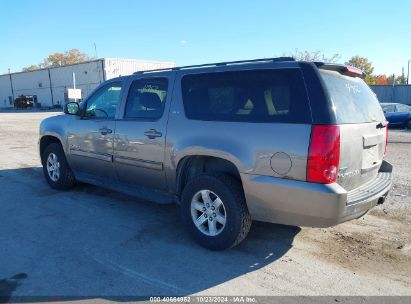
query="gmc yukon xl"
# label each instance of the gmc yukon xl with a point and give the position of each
(276, 140)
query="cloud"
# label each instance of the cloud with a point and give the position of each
(183, 41)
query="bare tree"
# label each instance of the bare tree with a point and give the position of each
(314, 56)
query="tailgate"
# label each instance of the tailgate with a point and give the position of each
(361, 153)
(362, 128)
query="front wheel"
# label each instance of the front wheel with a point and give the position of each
(56, 169)
(214, 211)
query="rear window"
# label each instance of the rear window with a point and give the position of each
(353, 100)
(249, 96)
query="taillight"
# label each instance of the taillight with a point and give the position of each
(324, 154)
(386, 139)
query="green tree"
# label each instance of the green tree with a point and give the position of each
(365, 65)
(401, 79)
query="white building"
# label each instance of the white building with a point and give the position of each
(48, 85)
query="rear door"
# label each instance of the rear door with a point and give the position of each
(141, 132)
(362, 128)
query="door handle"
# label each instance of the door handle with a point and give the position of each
(105, 131)
(152, 133)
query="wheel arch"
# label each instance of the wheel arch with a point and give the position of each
(193, 165)
(45, 141)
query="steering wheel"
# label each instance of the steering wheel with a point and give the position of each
(105, 113)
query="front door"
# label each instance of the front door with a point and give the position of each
(141, 132)
(91, 137)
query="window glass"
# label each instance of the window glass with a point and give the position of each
(146, 98)
(352, 98)
(403, 108)
(388, 108)
(249, 96)
(103, 103)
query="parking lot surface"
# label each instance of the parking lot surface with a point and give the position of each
(96, 243)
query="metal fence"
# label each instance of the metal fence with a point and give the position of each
(398, 93)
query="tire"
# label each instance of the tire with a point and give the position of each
(233, 209)
(64, 180)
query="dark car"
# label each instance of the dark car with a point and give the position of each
(398, 115)
(23, 102)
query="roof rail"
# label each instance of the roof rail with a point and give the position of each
(277, 59)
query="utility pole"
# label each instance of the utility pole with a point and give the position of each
(11, 85)
(408, 72)
(51, 88)
(393, 88)
(98, 62)
(95, 50)
(74, 84)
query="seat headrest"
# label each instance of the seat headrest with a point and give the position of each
(150, 100)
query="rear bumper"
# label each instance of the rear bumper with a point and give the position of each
(300, 203)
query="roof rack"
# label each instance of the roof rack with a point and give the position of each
(277, 59)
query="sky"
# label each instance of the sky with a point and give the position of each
(194, 32)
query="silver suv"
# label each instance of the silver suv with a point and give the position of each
(274, 140)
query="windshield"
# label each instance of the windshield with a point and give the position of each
(353, 100)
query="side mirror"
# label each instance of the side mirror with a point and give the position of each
(72, 108)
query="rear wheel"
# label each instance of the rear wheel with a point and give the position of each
(214, 211)
(56, 169)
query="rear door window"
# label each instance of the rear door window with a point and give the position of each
(146, 98)
(353, 100)
(249, 96)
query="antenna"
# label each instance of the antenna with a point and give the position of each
(95, 49)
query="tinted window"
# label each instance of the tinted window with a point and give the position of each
(103, 103)
(353, 101)
(249, 96)
(146, 98)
